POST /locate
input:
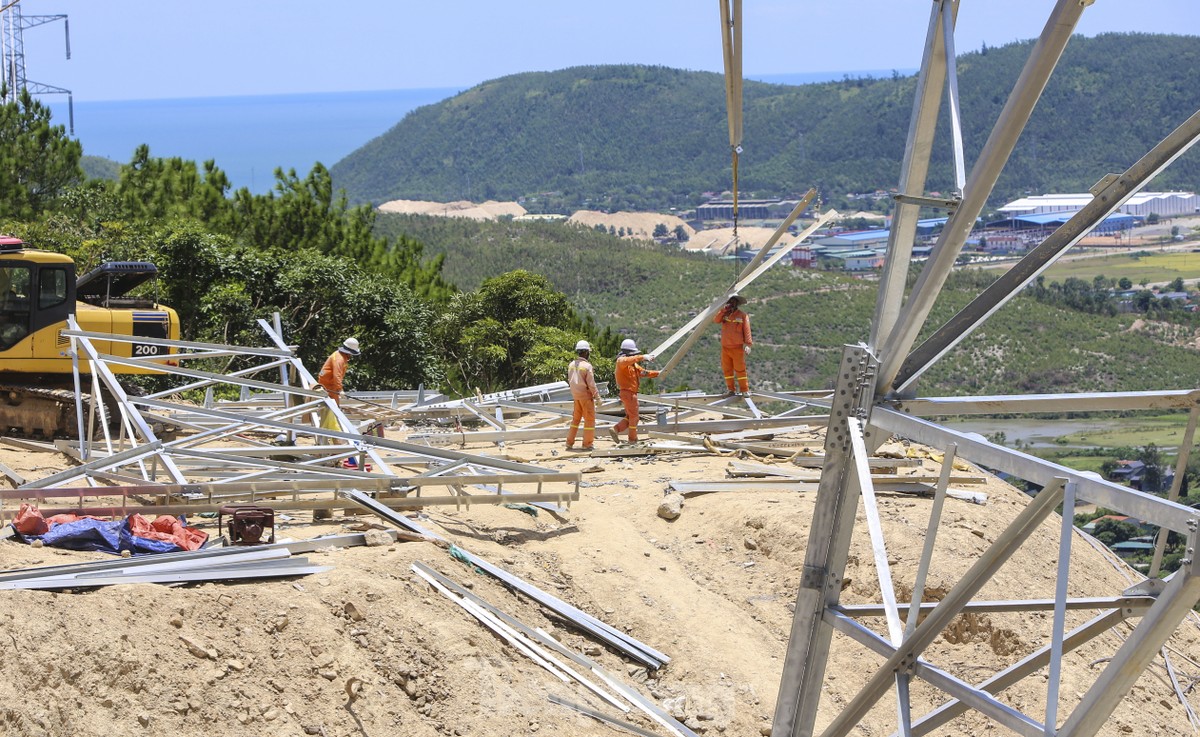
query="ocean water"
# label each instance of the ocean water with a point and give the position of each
(248, 137)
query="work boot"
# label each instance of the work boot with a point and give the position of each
(616, 436)
(587, 449)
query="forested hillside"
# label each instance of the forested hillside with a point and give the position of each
(801, 319)
(623, 137)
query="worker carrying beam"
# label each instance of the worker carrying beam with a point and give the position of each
(629, 376)
(735, 344)
(582, 380)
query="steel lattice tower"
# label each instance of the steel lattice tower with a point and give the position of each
(12, 50)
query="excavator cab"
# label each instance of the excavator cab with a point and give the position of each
(34, 294)
(39, 291)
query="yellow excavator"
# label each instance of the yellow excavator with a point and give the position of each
(38, 292)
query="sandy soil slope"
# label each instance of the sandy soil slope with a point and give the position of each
(712, 589)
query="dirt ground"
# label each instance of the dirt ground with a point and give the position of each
(712, 589)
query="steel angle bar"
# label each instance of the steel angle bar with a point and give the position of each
(960, 174)
(1016, 112)
(542, 391)
(950, 607)
(1135, 654)
(1181, 464)
(1018, 403)
(239, 350)
(231, 460)
(210, 376)
(240, 556)
(596, 628)
(306, 379)
(414, 502)
(602, 717)
(1018, 671)
(861, 475)
(974, 698)
(1059, 626)
(189, 576)
(1130, 606)
(498, 628)
(700, 322)
(557, 412)
(700, 426)
(709, 487)
(129, 413)
(697, 406)
(825, 556)
(935, 521)
(1147, 507)
(818, 397)
(374, 442)
(96, 464)
(1106, 202)
(510, 629)
(632, 695)
(205, 383)
(183, 559)
(242, 423)
(913, 171)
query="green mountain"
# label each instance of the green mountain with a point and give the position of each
(801, 319)
(622, 137)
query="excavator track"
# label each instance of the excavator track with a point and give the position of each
(33, 411)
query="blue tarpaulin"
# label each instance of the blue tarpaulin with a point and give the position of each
(109, 537)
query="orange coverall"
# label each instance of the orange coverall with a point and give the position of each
(583, 390)
(735, 338)
(333, 373)
(629, 375)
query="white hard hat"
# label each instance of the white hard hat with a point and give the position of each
(350, 346)
(738, 297)
(583, 345)
(629, 345)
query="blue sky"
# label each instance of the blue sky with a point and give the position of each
(148, 49)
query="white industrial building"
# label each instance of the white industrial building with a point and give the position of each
(1165, 204)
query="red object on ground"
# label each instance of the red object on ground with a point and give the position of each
(29, 521)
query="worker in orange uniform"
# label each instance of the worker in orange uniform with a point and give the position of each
(629, 375)
(333, 373)
(582, 380)
(735, 344)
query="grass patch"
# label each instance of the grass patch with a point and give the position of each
(1157, 267)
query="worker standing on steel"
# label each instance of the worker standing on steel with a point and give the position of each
(582, 380)
(629, 376)
(333, 373)
(735, 344)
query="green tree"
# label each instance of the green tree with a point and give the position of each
(1111, 531)
(660, 230)
(38, 162)
(1153, 476)
(515, 330)
(1125, 283)
(1177, 284)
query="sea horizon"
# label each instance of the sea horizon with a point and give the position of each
(250, 136)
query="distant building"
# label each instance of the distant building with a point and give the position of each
(747, 209)
(1048, 221)
(863, 260)
(1141, 204)
(856, 239)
